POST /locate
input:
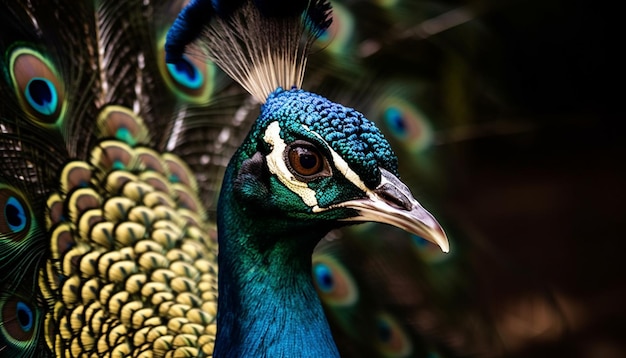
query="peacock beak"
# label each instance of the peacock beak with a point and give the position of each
(392, 203)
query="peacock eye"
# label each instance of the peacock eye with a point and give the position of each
(334, 283)
(38, 85)
(19, 320)
(41, 95)
(305, 161)
(186, 74)
(323, 276)
(392, 338)
(14, 215)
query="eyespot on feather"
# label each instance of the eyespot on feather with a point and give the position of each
(190, 77)
(333, 282)
(15, 217)
(337, 37)
(18, 321)
(407, 123)
(392, 340)
(37, 85)
(185, 73)
(121, 123)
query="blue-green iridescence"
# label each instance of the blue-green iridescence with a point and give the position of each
(24, 316)
(395, 121)
(324, 277)
(18, 328)
(118, 165)
(125, 135)
(346, 130)
(42, 95)
(15, 215)
(185, 73)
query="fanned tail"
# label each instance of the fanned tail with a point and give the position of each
(88, 104)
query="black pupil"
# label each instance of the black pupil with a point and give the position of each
(398, 122)
(308, 160)
(23, 317)
(13, 215)
(185, 67)
(40, 92)
(384, 331)
(327, 281)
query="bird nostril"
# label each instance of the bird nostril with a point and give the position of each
(393, 197)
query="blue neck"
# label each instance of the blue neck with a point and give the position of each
(267, 305)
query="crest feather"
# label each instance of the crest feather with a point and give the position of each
(262, 45)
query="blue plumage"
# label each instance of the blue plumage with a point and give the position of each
(186, 28)
(198, 13)
(345, 129)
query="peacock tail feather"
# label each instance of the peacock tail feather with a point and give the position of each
(107, 244)
(131, 254)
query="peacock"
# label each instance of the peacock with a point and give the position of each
(114, 133)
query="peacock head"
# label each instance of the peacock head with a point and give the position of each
(309, 161)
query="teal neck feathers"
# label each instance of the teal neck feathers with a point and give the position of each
(307, 166)
(267, 229)
(267, 303)
(271, 217)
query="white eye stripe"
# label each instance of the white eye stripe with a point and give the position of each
(341, 165)
(277, 166)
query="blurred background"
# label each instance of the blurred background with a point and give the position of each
(507, 118)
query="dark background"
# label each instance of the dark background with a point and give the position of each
(551, 197)
(525, 99)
